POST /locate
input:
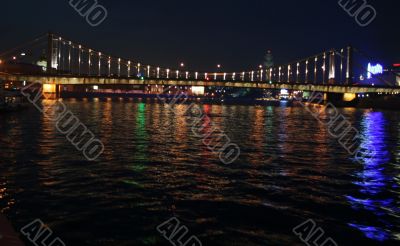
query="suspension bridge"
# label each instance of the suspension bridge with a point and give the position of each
(67, 62)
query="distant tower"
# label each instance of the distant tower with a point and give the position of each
(269, 60)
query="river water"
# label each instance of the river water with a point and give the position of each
(154, 168)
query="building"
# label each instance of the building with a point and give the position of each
(378, 75)
(269, 60)
(395, 71)
(43, 62)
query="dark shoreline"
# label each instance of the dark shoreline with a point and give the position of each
(391, 102)
(383, 102)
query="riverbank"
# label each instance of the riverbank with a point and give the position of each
(382, 102)
(391, 102)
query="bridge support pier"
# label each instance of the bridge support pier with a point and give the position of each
(58, 91)
(339, 97)
(51, 91)
(348, 97)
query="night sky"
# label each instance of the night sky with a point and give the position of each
(202, 34)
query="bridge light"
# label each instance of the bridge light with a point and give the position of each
(182, 64)
(219, 66)
(196, 75)
(119, 67)
(129, 69)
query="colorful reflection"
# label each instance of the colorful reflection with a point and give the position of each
(141, 142)
(141, 135)
(372, 181)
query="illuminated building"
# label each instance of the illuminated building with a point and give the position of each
(269, 60)
(376, 74)
(42, 62)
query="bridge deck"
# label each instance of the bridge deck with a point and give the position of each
(75, 80)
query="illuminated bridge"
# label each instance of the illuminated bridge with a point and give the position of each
(66, 62)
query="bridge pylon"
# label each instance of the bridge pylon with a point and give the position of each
(332, 67)
(349, 66)
(51, 54)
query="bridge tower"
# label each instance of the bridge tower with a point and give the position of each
(349, 66)
(51, 54)
(332, 67)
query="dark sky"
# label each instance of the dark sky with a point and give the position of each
(236, 34)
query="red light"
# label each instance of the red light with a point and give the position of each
(396, 65)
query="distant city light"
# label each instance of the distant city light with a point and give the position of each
(198, 90)
(284, 92)
(23, 54)
(95, 87)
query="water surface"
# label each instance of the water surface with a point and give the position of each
(153, 168)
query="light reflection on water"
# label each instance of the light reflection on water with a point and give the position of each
(154, 168)
(373, 181)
